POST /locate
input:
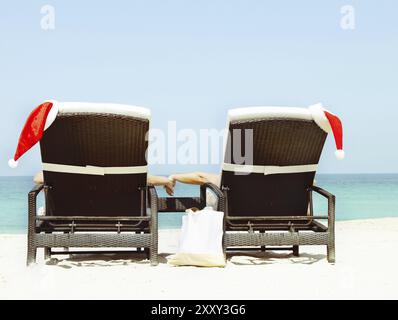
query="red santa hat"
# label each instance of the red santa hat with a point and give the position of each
(329, 122)
(38, 121)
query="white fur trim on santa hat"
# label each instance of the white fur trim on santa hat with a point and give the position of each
(12, 163)
(318, 114)
(339, 154)
(52, 115)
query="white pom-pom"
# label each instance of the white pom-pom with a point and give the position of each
(12, 163)
(339, 154)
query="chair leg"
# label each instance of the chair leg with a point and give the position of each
(47, 253)
(296, 252)
(31, 254)
(153, 247)
(138, 248)
(66, 249)
(262, 248)
(331, 253)
(153, 253)
(147, 253)
(31, 249)
(331, 249)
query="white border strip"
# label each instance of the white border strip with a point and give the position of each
(266, 170)
(93, 170)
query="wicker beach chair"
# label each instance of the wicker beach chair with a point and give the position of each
(95, 183)
(268, 203)
(272, 207)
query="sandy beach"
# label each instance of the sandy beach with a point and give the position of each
(367, 262)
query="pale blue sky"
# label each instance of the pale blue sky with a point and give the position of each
(191, 61)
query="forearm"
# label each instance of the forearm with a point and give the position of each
(197, 178)
(157, 180)
(162, 181)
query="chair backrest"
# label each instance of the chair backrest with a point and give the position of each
(287, 145)
(99, 136)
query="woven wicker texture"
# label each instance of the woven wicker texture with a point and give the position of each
(97, 140)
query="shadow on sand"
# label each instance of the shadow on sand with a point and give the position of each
(102, 260)
(272, 257)
(127, 259)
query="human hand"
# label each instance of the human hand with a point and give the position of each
(38, 178)
(169, 186)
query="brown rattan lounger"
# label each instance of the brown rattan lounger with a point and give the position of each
(272, 208)
(95, 182)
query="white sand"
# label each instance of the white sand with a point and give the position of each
(366, 267)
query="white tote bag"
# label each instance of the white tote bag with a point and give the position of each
(201, 239)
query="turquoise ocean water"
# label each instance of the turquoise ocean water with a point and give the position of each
(359, 196)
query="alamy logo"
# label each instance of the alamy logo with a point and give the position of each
(347, 21)
(208, 146)
(47, 21)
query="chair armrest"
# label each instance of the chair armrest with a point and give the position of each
(153, 203)
(36, 190)
(217, 191)
(322, 192)
(32, 197)
(331, 204)
(153, 199)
